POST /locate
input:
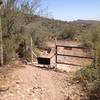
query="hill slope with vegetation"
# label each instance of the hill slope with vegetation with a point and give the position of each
(21, 22)
(20, 25)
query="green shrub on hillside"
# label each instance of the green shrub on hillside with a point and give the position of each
(89, 78)
(67, 34)
(11, 45)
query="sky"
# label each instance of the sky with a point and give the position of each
(69, 10)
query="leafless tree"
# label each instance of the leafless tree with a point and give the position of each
(15, 10)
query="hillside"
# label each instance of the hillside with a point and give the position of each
(59, 28)
(49, 59)
(41, 30)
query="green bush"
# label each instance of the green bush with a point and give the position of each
(9, 48)
(67, 34)
(14, 47)
(89, 77)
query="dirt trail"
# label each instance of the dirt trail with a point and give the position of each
(31, 83)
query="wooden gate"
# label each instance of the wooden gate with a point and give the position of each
(71, 56)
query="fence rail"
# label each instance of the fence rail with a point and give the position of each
(68, 55)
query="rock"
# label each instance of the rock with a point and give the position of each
(4, 88)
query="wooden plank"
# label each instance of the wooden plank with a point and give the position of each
(67, 64)
(56, 54)
(70, 47)
(75, 56)
(78, 47)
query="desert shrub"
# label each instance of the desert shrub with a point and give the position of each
(21, 49)
(38, 33)
(89, 77)
(67, 33)
(9, 49)
(24, 51)
(14, 47)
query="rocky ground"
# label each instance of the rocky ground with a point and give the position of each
(26, 82)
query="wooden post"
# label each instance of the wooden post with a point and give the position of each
(1, 43)
(56, 52)
(31, 50)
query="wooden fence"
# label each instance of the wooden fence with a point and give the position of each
(70, 55)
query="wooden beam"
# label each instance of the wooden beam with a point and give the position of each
(56, 54)
(78, 47)
(68, 64)
(75, 56)
(34, 54)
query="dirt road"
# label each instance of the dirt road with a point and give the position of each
(31, 83)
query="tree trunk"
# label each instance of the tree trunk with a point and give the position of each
(1, 44)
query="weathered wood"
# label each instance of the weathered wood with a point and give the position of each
(56, 54)
(76, 56)
(69, 55)
(78, 47)
(34, 54)
(67, 63)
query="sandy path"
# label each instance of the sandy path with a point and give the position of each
(31, 83)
